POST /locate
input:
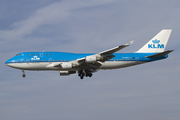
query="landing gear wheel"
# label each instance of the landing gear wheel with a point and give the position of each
(82, 77)
(23, 75)
(86, 73)
(81, 74)
(90, 75)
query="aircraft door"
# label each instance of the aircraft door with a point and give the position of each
(27, 60)
(137, 58)
(50, 60)
(41, 54)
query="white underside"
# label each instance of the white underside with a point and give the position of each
(43, 65)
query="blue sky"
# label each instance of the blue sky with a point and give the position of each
(148, 91)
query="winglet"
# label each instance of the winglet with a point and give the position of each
(130, 42)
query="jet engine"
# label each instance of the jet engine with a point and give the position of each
(66, 65)
(65, 73)
(93, 58)
(90, 59)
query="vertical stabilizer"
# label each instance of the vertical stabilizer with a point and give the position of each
(157, 43)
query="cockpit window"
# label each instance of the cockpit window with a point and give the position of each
(18, 55)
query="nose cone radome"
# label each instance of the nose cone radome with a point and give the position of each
(7, 62)
(10, 62)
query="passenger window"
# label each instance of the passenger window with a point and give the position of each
(18, 55)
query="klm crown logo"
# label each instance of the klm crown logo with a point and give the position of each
(35, 58)
(155, 41)
(156, 44)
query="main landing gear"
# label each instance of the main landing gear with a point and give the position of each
(81, 74)
(23, 75)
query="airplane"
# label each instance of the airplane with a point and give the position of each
(85, 64)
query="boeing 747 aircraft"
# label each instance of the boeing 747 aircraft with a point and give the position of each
(85, 64)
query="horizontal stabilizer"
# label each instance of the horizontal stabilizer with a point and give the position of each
(160, 54)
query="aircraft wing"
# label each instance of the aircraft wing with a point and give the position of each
(94, 61)
(105, 55)
(115, 49)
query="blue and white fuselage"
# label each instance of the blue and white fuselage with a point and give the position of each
(41, 60)
(85, 64)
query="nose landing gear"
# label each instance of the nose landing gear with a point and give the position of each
(23, 75)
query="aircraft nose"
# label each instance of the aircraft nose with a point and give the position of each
(9, 63)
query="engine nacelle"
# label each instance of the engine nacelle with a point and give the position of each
(66, 65)
(90, 59)
(65, 73)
